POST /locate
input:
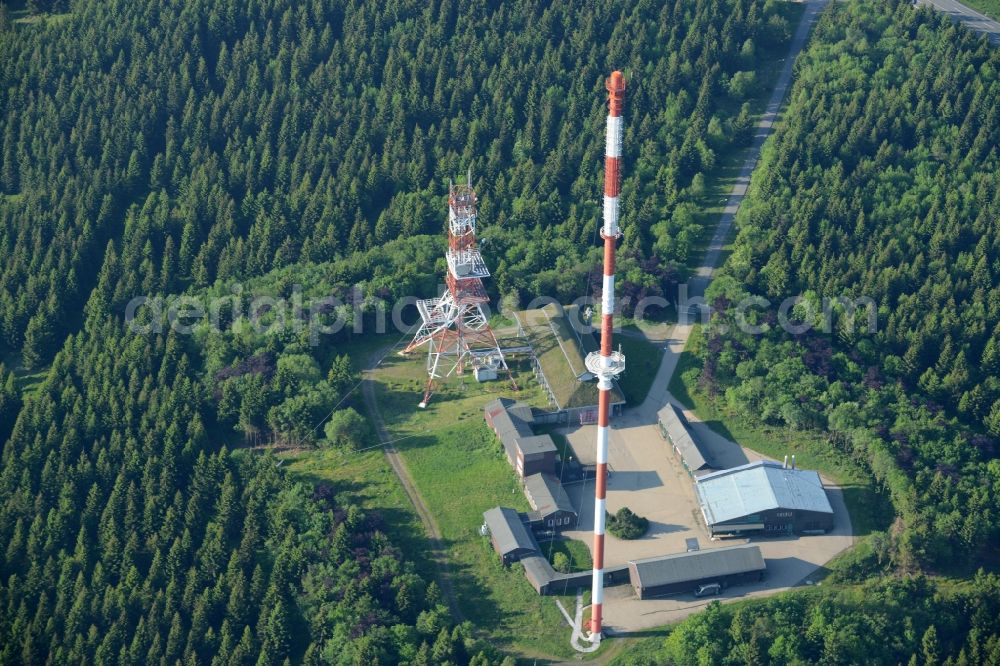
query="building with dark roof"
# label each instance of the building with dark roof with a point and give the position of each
(508, 418)
(535, 455)
(539, 573)
(675, 430)
(527, 452)
(547, 580)
(684, 572)
(551, 504)
(764, 497)
(514, 542)
(508, 534)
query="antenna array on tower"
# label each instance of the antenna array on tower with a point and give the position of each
(454, 325)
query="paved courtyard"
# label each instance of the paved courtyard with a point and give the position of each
(647, 477)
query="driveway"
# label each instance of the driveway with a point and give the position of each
(970, 17)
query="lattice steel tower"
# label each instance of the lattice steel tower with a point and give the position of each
(454, 326)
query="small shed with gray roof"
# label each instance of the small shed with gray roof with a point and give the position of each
(675, 430)
(508, 534)
(764, 497)
(684, 572)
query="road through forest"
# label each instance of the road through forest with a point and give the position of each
(970, 17)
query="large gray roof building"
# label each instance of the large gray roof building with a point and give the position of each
(764, 496)
(684, 572)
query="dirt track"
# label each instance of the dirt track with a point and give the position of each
(437, 551)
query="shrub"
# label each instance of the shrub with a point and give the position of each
(348, 428)
(627, 525)
(560, 562)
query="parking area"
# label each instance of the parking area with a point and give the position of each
(650, 480)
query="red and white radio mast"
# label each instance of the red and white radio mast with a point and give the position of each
(607, 364)
(454, 325)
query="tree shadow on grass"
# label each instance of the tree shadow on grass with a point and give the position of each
(870, 510)
(655, 632)
(678, 387)
(719, 428)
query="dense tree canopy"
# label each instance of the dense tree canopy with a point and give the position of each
(883, 182)
(183, 142)
(128, 537)
(888, 622)
(151, 148)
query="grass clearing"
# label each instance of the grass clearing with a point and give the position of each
(869, 509)
(26, 381)
(41, 19)
(561, 350)
(459, 467)
(370, 482)
(575, 551)
(460, 470)
(642, 360)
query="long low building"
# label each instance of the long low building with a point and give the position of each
(527, 452)
(685, 444)
(764, 497)
(560, 348)
(684, 572)
(513, 542)
(547, 580)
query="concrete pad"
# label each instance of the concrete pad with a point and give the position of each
(648, 477)
(790, 562)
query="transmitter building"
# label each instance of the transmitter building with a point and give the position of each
(764, 497)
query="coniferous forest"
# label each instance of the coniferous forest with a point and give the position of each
(219, 140)
(179, 147)
(217, 148)
(883, 183)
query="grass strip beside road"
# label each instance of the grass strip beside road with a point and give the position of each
(989, 7)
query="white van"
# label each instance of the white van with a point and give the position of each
(707, 590)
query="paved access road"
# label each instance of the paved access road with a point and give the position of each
(703, 273)
(648, 479)
(970, 17)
